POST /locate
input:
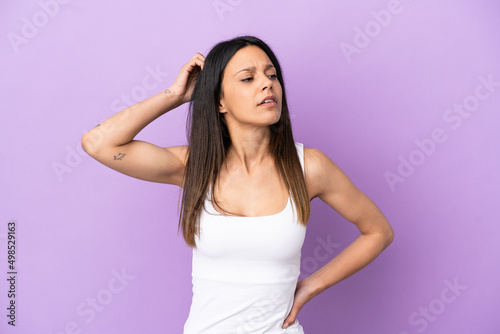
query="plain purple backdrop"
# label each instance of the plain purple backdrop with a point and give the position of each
(403, 95)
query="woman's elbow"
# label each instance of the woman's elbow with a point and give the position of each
(389, 235)
(89, 144)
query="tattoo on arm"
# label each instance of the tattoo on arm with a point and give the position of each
(167, 91)
(98, 125)
(119, 156)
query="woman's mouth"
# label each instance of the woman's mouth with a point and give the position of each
(268, 101)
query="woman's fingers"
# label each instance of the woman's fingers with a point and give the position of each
(198, 59)
(199, 55)
(185, 81)
(303, 294)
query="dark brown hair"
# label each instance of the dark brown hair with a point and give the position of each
(209, 140)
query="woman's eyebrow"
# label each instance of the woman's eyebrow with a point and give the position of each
(252, 69)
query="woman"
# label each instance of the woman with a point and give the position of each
(246, 247)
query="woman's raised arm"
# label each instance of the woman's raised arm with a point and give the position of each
(112, 141)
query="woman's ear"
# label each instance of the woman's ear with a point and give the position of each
(221, 101)
(222, 109)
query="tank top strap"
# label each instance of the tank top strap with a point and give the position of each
(300, 152)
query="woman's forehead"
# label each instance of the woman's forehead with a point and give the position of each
(249, 58)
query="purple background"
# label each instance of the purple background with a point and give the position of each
(79, 221)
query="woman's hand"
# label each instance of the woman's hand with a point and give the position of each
(304, 292)
(183, 85)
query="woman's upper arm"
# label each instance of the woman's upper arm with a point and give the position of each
(143, 160)
(327, 181)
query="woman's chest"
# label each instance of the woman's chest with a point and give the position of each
(260, 195)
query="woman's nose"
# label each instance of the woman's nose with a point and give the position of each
(268, 83)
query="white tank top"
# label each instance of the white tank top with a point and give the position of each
(245, 271)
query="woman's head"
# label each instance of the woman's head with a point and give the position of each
(248, 79)
(222, 95)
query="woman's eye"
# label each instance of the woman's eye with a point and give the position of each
(273, 76)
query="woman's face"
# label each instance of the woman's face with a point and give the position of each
(250, 77)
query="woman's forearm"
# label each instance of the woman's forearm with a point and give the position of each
(352, 259)
(122, 127)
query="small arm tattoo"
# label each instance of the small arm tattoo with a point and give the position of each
(167, 91)
(98, 125)
(119, 156)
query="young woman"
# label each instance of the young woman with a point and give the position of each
(247, 186)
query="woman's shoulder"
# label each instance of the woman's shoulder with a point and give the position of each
(314, 156)
(319, 170)
(314, 160)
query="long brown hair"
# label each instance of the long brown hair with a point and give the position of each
(209, 140)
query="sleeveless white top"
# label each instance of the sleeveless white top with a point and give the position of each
(245, 271)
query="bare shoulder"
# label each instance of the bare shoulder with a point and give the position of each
(322, 174)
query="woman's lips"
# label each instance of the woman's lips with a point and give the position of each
(267, 104)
